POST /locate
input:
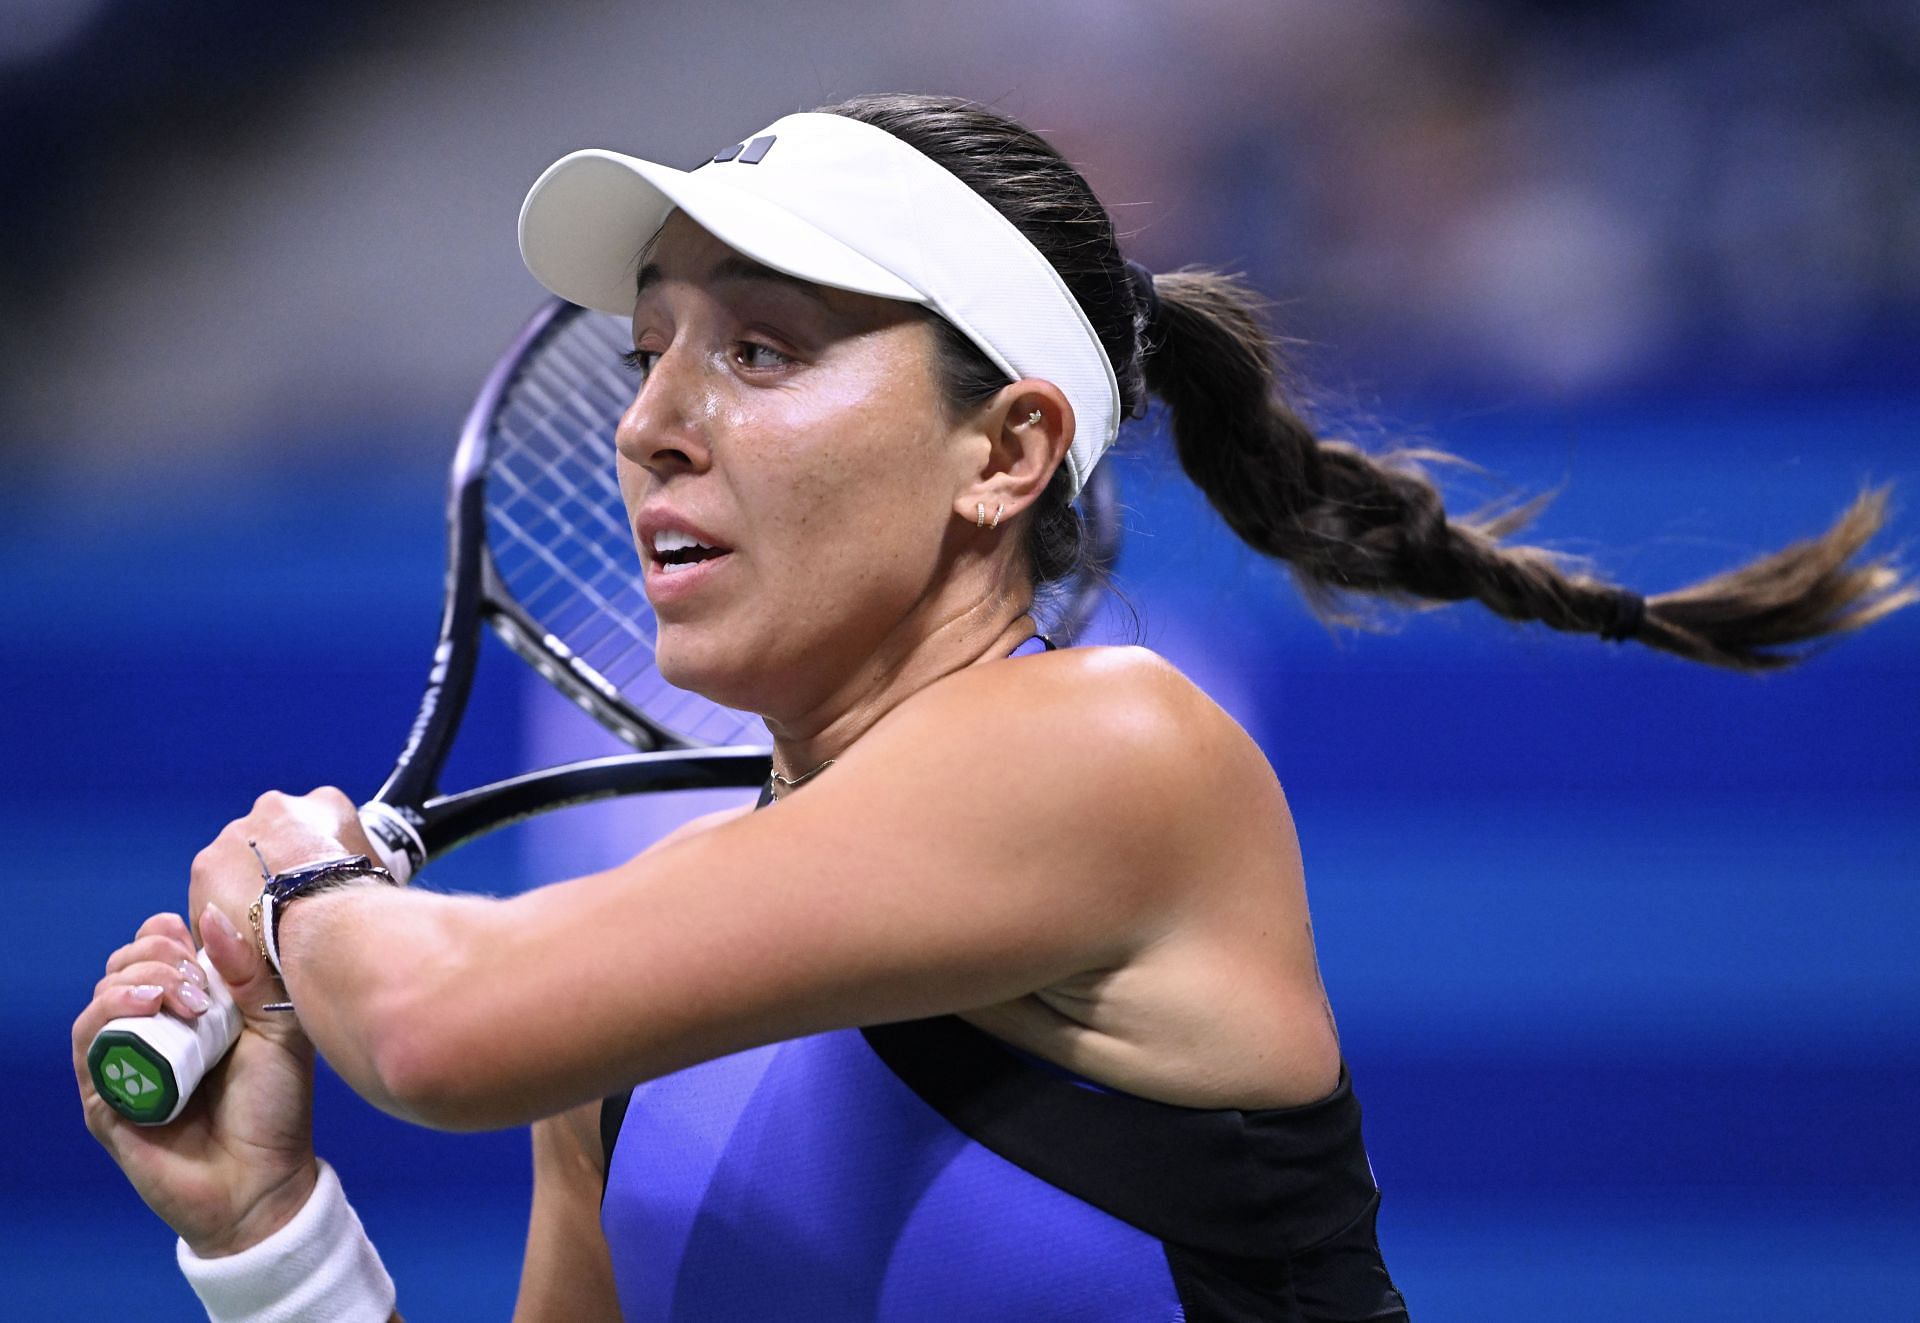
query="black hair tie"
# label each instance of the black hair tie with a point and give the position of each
(1629, 612)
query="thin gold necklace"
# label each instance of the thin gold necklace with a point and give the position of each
(778, 782)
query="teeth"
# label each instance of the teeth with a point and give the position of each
(672, 539)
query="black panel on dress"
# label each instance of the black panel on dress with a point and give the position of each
(1265, 1214)
(613, 1115)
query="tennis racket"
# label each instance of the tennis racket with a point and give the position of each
(539, 548)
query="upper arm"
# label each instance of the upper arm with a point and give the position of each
(568, 1273)
(976, 845)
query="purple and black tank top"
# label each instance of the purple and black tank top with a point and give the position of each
(927, 1171)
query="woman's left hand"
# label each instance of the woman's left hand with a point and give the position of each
(290, 831)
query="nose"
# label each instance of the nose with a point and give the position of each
(663, 430)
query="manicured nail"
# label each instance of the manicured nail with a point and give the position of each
(146, 991)
(191, 971)
(193, 998)
(217, 917)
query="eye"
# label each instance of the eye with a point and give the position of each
(640, 361)
(756, 355)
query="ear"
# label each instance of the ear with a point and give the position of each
(1028, 426)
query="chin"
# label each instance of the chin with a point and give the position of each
(679, 664)
(699, 666)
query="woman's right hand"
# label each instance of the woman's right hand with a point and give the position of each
(237, 1163)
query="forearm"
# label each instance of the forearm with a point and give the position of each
(371, 970)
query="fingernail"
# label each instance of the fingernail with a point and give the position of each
(217, 917)
(146, 991)
(191, 971)
(193, 998)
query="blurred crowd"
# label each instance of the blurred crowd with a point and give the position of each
(229, 225)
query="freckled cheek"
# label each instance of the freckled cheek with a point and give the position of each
(846, 535)
(840, 481)
(800, 523)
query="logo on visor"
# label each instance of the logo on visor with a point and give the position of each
(751, 152)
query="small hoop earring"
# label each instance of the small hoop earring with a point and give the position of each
(998, 510)
(980, 515)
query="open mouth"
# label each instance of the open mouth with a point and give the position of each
(675, 551)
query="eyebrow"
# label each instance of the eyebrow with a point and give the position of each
(738, 268)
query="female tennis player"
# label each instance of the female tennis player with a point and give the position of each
(1004, 1004)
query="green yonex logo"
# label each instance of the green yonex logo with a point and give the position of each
(130, 1082)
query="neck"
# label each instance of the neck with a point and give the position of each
(801, 743)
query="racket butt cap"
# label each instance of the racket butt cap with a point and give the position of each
(147, 1066)
(135, 1077)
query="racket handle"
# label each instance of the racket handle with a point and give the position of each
(147, 1066)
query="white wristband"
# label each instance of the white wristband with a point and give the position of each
(319, 1267)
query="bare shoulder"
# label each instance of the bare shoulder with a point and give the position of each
(1098, 701)
(1130, 681)
(1109, 732)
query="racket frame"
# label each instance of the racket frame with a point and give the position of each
(407, 814)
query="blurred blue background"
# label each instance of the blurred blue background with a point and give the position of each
(1622, 950)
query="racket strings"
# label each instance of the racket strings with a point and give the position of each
(612, 508)
(557, 526)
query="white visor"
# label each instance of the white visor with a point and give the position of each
(836, 202)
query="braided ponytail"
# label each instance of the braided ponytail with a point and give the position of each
(1344, 521)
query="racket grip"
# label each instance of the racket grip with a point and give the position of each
(147, 1066)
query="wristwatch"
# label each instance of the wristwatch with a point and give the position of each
(282, 889)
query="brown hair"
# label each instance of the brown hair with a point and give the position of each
(1344, 521)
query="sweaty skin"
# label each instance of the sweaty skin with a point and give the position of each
(1077, 851)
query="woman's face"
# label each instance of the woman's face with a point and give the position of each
(796, 431)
